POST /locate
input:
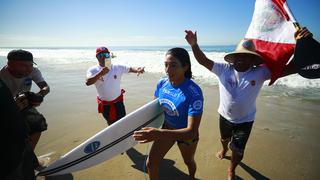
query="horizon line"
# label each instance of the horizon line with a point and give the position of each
(111, 46)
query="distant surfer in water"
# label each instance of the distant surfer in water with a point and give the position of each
(182, 101)
(106, 77)
(240, 81)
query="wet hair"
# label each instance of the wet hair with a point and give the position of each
(183, 57)
(19, 55)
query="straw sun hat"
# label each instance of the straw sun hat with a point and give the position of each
(247, 47)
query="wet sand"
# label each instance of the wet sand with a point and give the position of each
(283, 143)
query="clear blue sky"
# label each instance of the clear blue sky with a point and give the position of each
(134, 22)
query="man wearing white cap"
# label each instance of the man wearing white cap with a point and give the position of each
(106, 77)
(240, 81)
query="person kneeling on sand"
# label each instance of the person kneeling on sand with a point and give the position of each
(18, 75)
(240, 81)
(106, 77)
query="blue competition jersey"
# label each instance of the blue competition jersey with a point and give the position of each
(179, 102)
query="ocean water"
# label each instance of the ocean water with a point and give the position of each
(59, 60)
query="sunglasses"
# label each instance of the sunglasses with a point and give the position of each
(101, 55)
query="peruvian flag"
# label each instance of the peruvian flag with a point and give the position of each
(272, 32)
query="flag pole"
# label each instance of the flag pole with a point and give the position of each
(292, 18)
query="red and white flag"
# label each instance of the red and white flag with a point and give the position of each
(272, 32)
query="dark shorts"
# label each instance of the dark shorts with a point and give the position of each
(186, 142)
(120, 109)
(237, 133)
(35, 120)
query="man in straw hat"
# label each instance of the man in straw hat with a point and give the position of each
(240, 81)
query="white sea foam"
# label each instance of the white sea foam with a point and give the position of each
(152, 60)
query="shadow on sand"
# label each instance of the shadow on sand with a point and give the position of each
(255, 174)
(57, 177)
(166, 171)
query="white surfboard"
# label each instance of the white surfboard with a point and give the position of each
(109, 142)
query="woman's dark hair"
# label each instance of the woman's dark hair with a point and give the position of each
(183, 57)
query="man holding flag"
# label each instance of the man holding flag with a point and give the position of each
(240, 81)
(262, 55)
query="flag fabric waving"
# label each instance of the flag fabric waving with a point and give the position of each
(272, 32)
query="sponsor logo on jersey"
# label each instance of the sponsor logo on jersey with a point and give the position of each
(197, 105)
(169, 107)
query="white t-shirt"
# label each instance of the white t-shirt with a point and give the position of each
(239, 91)
(108, 86)
(19, 85)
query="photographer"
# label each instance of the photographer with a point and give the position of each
(18, 75)
(18, 157)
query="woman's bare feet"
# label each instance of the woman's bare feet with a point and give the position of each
(221, 154)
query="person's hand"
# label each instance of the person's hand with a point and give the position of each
(104, 71)
(44, 91)
(191, 37)
(22, 101)
(302, 33)
(140, 70)
(33, 98)
(146, 134)
(113, 56)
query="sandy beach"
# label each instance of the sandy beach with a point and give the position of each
(282, 143)
(63, 37)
